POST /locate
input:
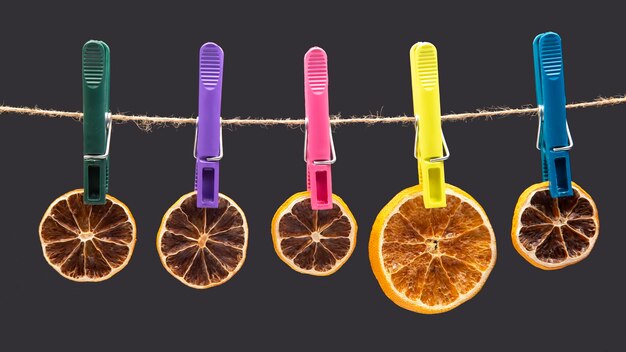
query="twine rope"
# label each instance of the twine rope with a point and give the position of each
(147, 122)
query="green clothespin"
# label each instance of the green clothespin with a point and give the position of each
(96, 121)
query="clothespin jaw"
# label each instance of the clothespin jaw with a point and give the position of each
(319, 150)
(208, 148)
(553, 137)
(429, 141)
(96, 121)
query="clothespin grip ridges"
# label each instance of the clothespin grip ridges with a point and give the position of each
(208, 145)
(319, 151)
(429, 138)
(96, 121)
(553, 137)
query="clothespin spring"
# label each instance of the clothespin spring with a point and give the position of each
(333, 155)
(446, 151)
(109, 121)
(570, 144)
(209, 158)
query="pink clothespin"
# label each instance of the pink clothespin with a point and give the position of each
(319, 149)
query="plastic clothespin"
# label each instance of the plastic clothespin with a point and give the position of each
(553, 136)
(430, 143)
(97, 121)
(319, 149)
(208, 148)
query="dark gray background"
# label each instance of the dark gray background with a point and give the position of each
(485, 59)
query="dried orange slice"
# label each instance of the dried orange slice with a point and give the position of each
(203, 247)
(314, 242)
(552, 233)
(432, 260)
(87, 243)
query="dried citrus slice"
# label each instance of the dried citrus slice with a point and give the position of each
(315, 242)
(432, 260)
(87, 243)
(552, 233)
(203, 247)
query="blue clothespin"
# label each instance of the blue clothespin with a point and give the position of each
(553, 137)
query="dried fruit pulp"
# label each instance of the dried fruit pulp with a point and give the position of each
(315, 242)
(203, 247)
(552, 233)
(432, 260)
(87, 243)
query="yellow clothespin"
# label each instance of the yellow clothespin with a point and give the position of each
(430, 145)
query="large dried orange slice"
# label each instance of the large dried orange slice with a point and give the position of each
(314, 242)
(432, 260)
(87, 243)
(203, 247)
(552, 233)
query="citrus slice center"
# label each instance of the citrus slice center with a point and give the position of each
(432, 246)
(202, 240)
(86, 236)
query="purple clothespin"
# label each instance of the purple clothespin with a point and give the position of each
(208, 146)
